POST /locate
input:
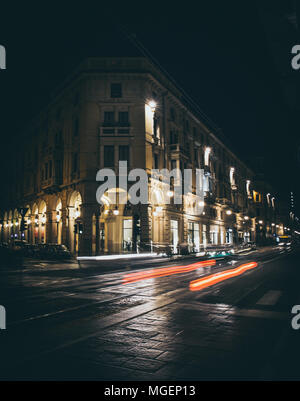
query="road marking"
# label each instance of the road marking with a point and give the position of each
(270, 298)
(234, 311)
(258, 313)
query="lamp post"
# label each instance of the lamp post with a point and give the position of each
(57, 225)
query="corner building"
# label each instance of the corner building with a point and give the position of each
(113, 109)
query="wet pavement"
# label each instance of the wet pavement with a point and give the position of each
(69, 323)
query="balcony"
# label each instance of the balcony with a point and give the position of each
(224, 201)
(178, 149)
(51, 185)
(108, 129)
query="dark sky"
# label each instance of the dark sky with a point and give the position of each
(216, 51)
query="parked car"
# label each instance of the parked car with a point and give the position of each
(18, 245)
(53, 251)
(61, 252)
(30, 251)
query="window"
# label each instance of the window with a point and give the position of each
(196, 157)
(58, 138)
(75, 163)
(115, 90)
(76, 127)
(108, 131)
(123, 118)
(173, 164)
(124, 131)
(124, 153)
(59, 172)
(155, 161)
(173, 114)
(173, 137)
(174, 235)
(109, 156)
(193, 237)
(127, 235)
(155, 127)
(50, 169)
(109, 118)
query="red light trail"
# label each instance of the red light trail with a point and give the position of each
(200, 284)
(165, 271)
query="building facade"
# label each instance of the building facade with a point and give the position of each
(126, 109)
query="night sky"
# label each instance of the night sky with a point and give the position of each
(217, 52)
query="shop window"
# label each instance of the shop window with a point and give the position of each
(127, 234)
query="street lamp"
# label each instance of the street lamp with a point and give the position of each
(228, 212)
(43, 219)
(57, 224)
(152, 105)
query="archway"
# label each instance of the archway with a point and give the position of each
(5, 227)
(74, 214)
(34, 224)
(116, 222)
(10, 226)
(42, 221)
(58, 221)
(15, 225)
(27, 219)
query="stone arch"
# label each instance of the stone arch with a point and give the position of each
(42, 206)
(58, 219)
(42, 210)
(28, 221)
(15, 224)
(74, 214)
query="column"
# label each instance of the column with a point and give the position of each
(85, 239)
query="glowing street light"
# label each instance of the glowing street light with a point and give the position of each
(228, 212)
(43, 219)
(152, 105)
